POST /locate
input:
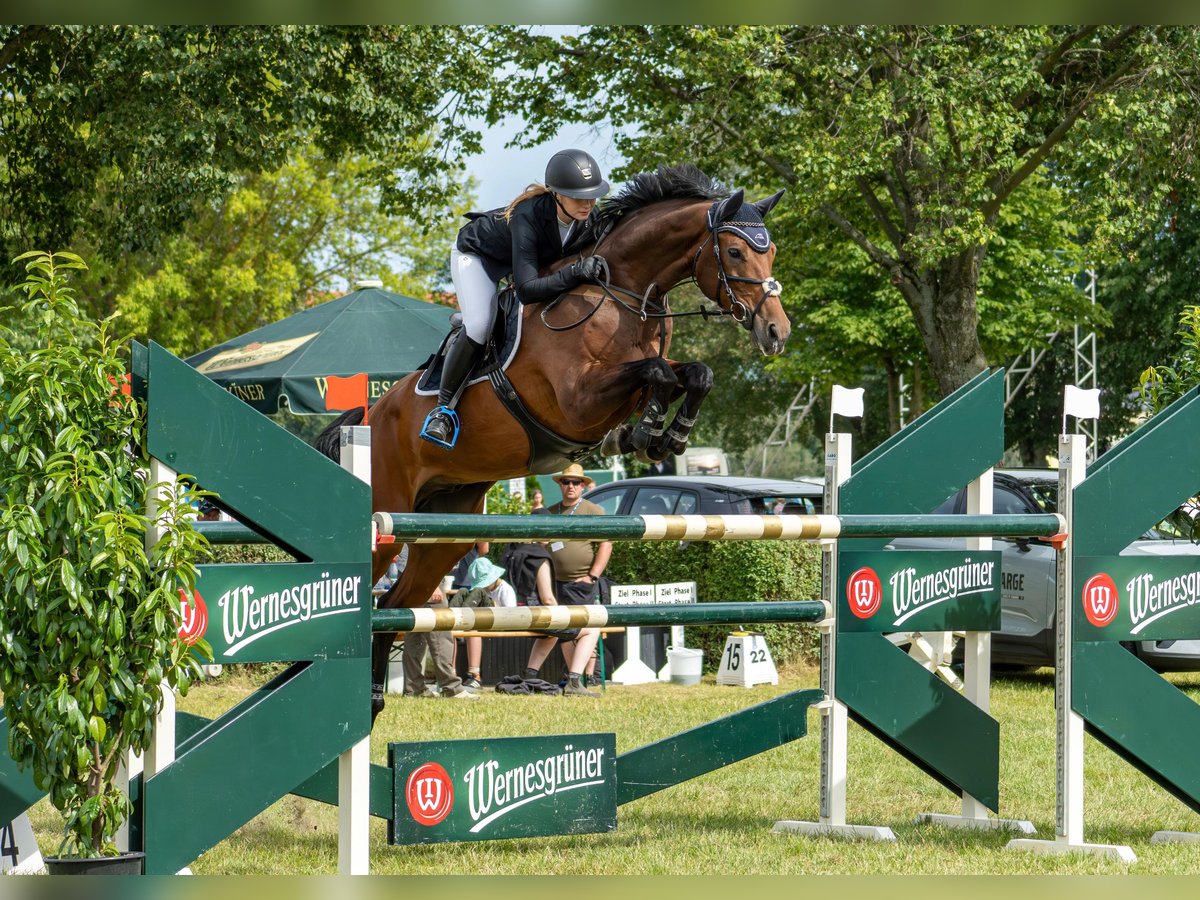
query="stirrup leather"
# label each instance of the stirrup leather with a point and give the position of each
(442, 412)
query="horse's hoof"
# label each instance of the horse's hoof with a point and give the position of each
(675, 444)
(611, 445)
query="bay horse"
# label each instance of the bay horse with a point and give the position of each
(586, 363)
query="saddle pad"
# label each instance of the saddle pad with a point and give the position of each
(506, 337)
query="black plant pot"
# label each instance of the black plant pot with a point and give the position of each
(125, 864)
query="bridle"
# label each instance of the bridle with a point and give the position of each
(738, 310)
(741, 313)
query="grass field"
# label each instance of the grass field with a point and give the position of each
(720, 824)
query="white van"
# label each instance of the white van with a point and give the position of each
(702, 461)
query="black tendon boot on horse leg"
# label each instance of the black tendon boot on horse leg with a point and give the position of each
(441, 426)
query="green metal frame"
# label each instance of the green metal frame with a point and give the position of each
(287, 737)
(1124, 703)
(231, 769)
(892, 696)
(17, 790)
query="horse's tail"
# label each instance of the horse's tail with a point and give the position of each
(329, 441)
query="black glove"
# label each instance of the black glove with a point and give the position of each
(590, 268)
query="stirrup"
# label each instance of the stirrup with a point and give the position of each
(455, 425)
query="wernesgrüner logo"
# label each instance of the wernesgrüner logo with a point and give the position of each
(429, 794)
(864, 592)
(1100, 600)
(912, 593)
(1149, 599)
(246, 617)
(493, 793)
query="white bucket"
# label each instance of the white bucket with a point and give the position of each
(685, 665)
(395, 670)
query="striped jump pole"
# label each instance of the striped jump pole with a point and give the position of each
(425, 528)
(553, 618)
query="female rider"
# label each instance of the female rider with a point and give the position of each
(520, 240)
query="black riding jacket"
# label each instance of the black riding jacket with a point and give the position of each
(522, 247)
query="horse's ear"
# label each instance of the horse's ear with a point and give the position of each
(730, 206)
(766, 204)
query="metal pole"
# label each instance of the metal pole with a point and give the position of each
(552, 618)
(354, 765)
(462, 528)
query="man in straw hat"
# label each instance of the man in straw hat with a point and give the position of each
(578, 566)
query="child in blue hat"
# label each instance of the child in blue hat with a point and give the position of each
(487, 588)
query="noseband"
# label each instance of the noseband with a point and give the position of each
(740, 312)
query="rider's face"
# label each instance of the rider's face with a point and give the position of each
(576, 209)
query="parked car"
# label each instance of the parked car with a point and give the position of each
(707, 495)
(1028, 598)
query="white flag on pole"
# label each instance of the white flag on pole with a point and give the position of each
(1081, 403)
(847, 402)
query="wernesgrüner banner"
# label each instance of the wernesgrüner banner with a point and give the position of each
(503, 788)
(920, 590)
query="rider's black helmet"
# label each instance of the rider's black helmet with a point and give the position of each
(573, 173)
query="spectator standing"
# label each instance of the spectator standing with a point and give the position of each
(440, 645)
(577, 567)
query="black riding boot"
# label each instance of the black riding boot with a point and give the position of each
(461, 355)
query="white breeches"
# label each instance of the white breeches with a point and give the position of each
(476, 294)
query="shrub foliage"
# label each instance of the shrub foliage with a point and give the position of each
(89, 609)
(732, 572)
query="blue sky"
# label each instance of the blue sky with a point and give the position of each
(502, 173)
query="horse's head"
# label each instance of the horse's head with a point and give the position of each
(737, 273)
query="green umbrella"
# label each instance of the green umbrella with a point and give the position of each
(385, 335)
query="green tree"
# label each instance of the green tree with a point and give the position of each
(115, 134)
(90, 586)
(911, 143)
(276, 242)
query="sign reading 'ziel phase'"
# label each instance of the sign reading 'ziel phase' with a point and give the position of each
(503, 788)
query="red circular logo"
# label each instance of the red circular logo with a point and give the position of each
(1100, 600)
(429, 793)
(194, 617)
(864, 592)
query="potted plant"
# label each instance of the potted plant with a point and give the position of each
(89, 614)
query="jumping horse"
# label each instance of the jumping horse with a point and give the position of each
(586, 363)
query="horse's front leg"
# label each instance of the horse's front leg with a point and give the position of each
(657, 375)
(695, 380)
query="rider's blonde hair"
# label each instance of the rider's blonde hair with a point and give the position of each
(534, 190)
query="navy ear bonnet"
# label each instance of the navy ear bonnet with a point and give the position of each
(746, 224)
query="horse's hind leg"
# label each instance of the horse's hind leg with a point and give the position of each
(696, 380)
(424, 570)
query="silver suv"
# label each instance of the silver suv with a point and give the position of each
(1026, 635)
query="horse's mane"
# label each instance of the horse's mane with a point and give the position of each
(684, 182)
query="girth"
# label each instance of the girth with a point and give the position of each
(548, 451)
